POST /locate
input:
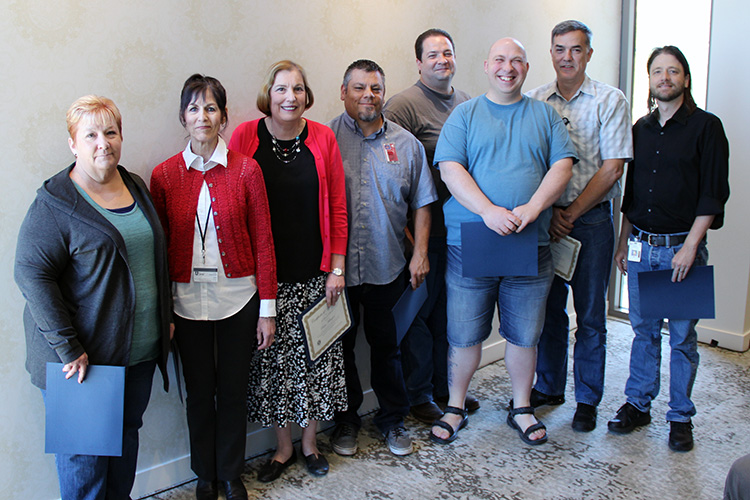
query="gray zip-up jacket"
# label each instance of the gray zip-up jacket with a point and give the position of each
(72, 268)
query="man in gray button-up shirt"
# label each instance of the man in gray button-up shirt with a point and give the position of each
(386, 175)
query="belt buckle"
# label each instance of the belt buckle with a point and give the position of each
(650, 241)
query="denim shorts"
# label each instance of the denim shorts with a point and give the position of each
(521, 301)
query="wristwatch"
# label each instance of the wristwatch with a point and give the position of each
(337, 271)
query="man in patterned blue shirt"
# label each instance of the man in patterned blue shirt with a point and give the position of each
(386, 175)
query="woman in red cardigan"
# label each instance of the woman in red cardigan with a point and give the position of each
(212, 203)
(304, 179)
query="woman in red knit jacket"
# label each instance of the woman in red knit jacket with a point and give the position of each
(304, 179)
(212, 203)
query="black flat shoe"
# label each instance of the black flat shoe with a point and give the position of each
(537, 399)
(681, 436)
(235, 489)
(206, 490)
(584, 419)
(628, 418)
(316, 465)
(272, 469)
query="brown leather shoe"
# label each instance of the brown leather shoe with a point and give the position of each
(427, 412)
(471, 404)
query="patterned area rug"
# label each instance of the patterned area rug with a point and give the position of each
(489, 461)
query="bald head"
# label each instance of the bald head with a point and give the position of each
(506, 68)
(505, 43)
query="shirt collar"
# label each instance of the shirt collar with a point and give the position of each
(351, 123)
(587, 87)
(219, 157)
(680, 116)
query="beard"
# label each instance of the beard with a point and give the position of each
(368, 116)
(667, 94)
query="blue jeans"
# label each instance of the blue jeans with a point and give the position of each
(424, 350)
(520, 300)
(645, 355)
(88, 477)
(386, 375)
(595, 231)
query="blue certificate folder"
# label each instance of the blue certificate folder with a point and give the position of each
(691, 298)
(85, 419)
(407, 308)
(485, 253)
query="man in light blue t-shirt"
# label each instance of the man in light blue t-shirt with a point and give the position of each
(505, 159)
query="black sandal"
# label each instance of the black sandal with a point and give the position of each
(530, 429)
(453, 433)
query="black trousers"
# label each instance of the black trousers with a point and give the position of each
(386, 376)
(216, 362)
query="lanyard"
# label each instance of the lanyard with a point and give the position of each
(203, 230)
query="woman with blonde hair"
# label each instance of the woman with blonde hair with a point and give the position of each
(304, 178)
(91, 262)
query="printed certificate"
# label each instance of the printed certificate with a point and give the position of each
(322, 325)
(565, 256)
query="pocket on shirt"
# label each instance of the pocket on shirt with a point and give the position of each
(392, 181)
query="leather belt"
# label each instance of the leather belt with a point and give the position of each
(659, 240)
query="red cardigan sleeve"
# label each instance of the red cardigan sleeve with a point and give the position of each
(336, 194)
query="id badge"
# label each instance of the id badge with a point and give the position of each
(205, 274)
(634, 250)
(390, 152)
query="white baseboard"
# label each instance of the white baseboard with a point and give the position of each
(258, 441)
(492, 350)
(728, 340)
(172, 473)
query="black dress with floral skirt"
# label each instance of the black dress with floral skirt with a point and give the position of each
(284, 387)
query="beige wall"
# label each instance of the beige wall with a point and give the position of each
(728, 247)
(139, 53)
